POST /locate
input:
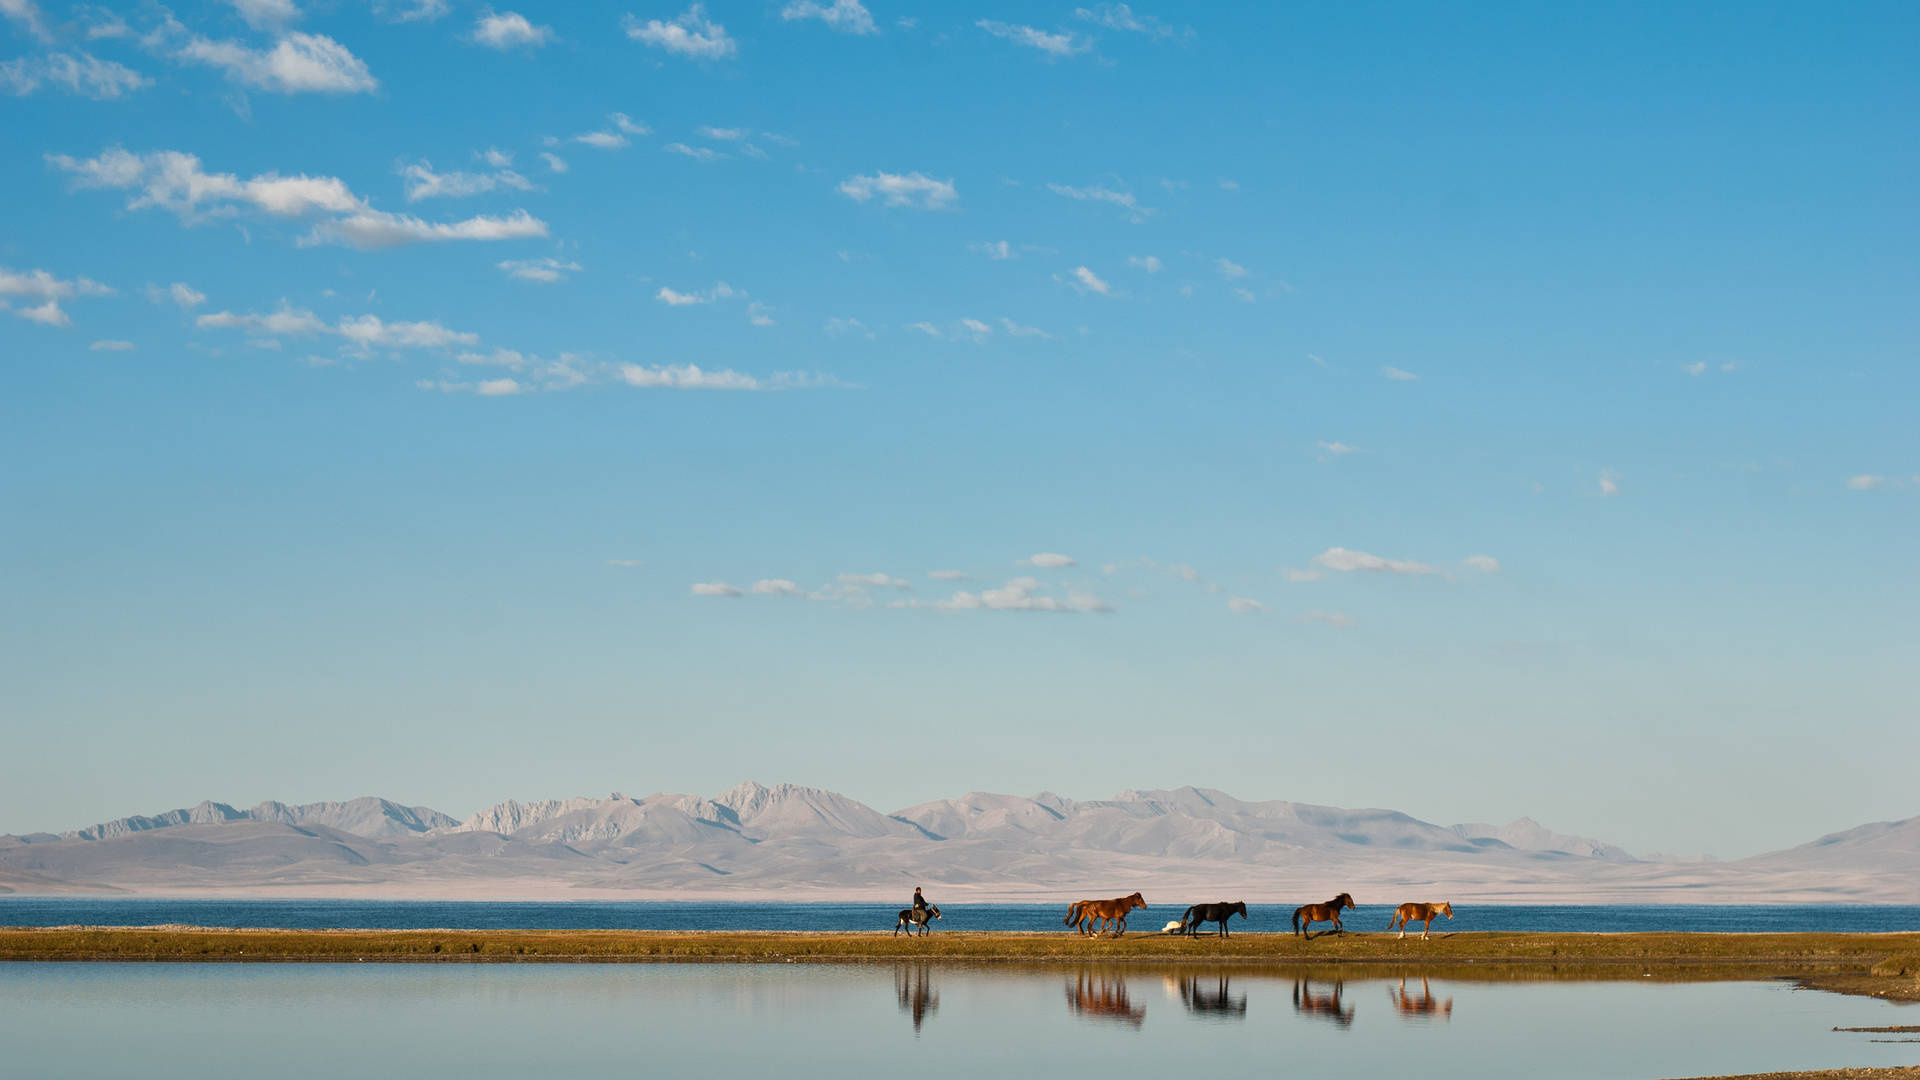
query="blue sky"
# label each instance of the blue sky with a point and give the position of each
(1477, 412)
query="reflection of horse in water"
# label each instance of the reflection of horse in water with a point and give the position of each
(918, 998)
(1327, 912)
(1424, 1007)
(1098, 997)
(1088, 914)
(1412, 913)
(1212, 997)
(1324, 1006)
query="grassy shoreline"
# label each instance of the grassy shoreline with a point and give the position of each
(1884, 965)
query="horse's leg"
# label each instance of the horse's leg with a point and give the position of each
(1429, 926)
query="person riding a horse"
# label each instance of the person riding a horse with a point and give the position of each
(918, 900)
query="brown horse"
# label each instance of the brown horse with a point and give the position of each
(1407, 913)
(1085, 913)
(1322, 1006)
(1424, 1007)
(1327, 912)
(1097, 996)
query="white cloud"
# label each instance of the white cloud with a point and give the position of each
(690, 33)
(1698, 367)
(1242, 605)
(1486, 564)
(674, 298)
(1301, 577)
(601, 140)
(360, 332)
(111, 346)
(1229, 269)
(296, 63)
(874, 581)
(628, 124)
(49, 290)
(266, 14)
(417, 11)
(77, 73)
(1245, 296)
(845, 16)
(498, 158)
(703, 154)
(1398, 375)
(1014, 329)
(555, 162)
(947, 575)
(508, 29)
(777, 587)
(976, 330)
(1342, 559)
(1048, 560)
(716, 588)
(1229, 185)
(1054, 44)
(26, 14)
(1122, 17)
(1100, 193)
(373, 229)
(423, 183)
(1866, 482)
(1336, 449)
(1609, 483)
(625, 564)
(546, 269)
(1330, 618)
(720, 134)
(997, 250)
(1150, 263)
(838, 327)
(1024, 594)
(685, 377)
(896, 189)
(1086, 281)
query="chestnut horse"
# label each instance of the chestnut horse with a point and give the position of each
(1327, 912)
(1407, 913)
(1092, 912)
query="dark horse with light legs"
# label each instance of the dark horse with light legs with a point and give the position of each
(1327, 912)
(1206, 913)
(916, 916)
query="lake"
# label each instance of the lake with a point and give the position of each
(214, 1021)
(643, 915)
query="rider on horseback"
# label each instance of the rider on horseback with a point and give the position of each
(918, 900)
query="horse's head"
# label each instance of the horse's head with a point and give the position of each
(1446, 908)
(933, 911)
(1343, 901)
(1241, 907)
(1136, 901)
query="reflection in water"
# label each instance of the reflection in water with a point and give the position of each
(913, 984)
(1212, 997)
(1424, 1007)
(1323, 1006)
(1100, 996)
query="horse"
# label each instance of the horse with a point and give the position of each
(1407, 913)
(1206, 913)
(1217, 1000)
(1327, 912)
(1083, 913)
(1093, 996)
(916, 916)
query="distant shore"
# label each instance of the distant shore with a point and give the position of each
(1880, 965)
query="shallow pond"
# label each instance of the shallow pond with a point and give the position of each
(165, 1021)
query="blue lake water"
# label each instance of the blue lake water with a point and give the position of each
(613, 915)
(475, 1022)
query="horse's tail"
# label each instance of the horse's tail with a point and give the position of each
(1391, 918)
(1073, 912)
(1187, 919)
(1296, 920)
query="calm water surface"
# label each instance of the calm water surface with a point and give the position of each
(212, 1021)
(616, 915)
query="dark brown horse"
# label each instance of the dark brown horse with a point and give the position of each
(1327, 912)
(1322, 1006)
(1090, 913)
(916, 916)
(1206, 913)
(1097, 996)
(1407, 913)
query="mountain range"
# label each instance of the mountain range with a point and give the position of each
(787, 841)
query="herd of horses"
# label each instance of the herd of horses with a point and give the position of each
(1097, 917)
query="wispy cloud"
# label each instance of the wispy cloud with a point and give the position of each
(1345, 560)
(1245, 605)
(1123, 17)
(1025, 594)
(1100, 193)
(1331, 618)
(78, 72)
(845, 16)
(49, 290)
(1486, 564)
(546, 270)
(1085, 280)
(296, 63)
(1048, 560)
(896, 189)
(998, 250)
(1150, 263)
(716, 588)
(1056, 44)
(720, 291)
(1609, 483)
(422, 182)
(508, 30)
(690, 33)
(1398, 375)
